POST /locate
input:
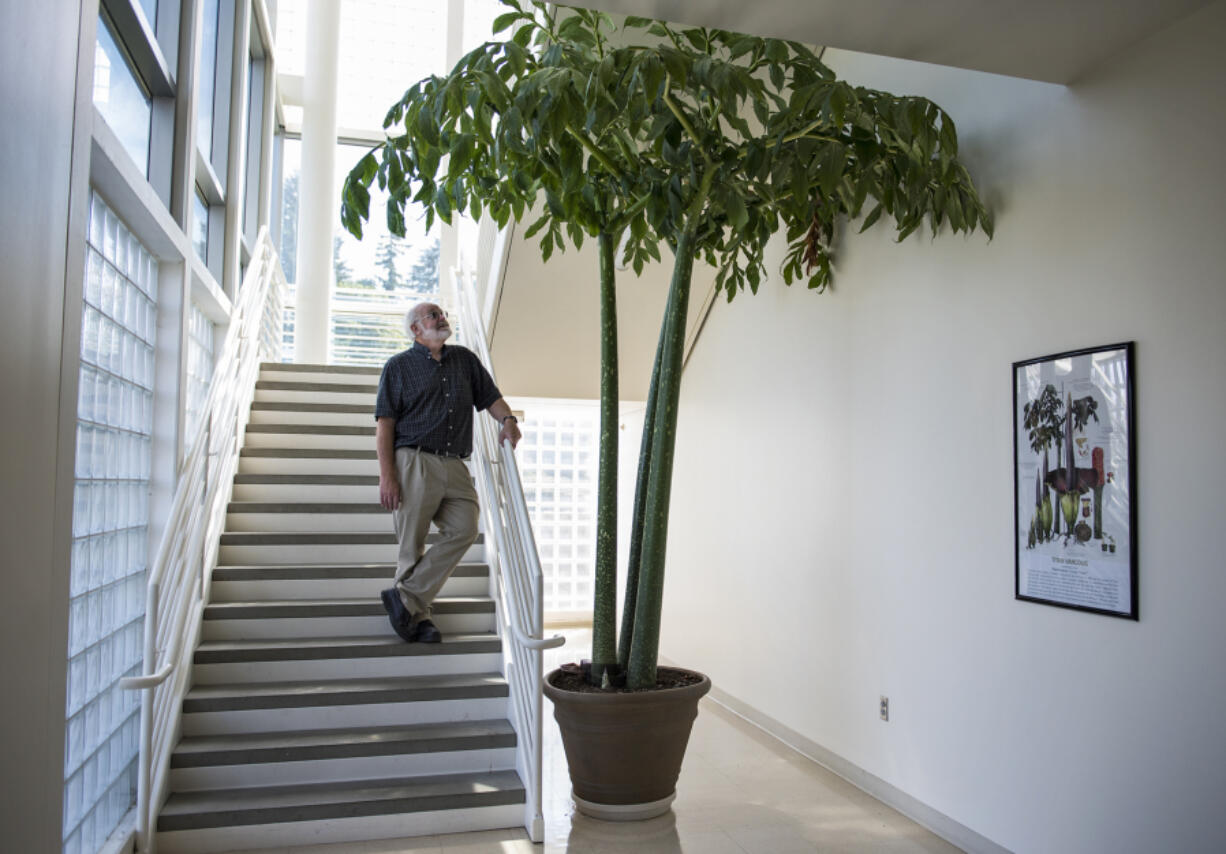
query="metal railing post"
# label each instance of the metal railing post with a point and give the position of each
(516, 577)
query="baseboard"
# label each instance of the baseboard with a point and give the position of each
(942, 825)
(568, 620)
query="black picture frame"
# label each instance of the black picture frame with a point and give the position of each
(1075, 516)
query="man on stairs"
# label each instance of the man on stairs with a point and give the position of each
(424, 430)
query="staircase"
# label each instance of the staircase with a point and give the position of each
(308, 719)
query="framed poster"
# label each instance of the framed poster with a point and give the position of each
(1074, 469)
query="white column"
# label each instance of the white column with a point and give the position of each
(449, 242)
(319, 198)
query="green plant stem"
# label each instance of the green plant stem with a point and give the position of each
(639, 514)
(645, 646)
(684, 122)
(604, 606)
(596, 153)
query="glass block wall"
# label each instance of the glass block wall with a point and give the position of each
(110, 530)
(558, 463)
(200, 334)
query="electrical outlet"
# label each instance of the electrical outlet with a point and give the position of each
(885, 708)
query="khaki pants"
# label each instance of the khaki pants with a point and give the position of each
(432, 489)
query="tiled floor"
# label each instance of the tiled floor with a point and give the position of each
(740, 792)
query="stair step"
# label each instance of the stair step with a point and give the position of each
(351, 799)
(308, 516)
(318, 538)
(297, 581)
(307, 572)
(310, 453)
(315, 429)
(371, 655)
(305, 507)
(354, 437)
(272, 620)
(305, 609)
(254, 748)
(317, 387)
(268, 479)
(268, 487)
(312, 462)
(350, 752)
(304, 406)
(235, 708)
(343, 692)
(283, 547)
(299, 368)
(307, 412)
(313, 649)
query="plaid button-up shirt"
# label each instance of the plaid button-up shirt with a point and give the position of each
(433, 401)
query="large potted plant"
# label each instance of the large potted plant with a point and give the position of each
(708, 141)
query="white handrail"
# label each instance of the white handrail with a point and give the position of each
(179, 578)
(515, 571)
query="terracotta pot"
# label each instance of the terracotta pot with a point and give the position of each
(624, 750)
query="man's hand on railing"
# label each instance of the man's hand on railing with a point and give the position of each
(510, 430)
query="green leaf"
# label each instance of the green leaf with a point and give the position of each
(907, 231)
(832, 163)
(871, 219)
(462, 151)
(535, 228)
(555, 205)
(573, 27)
(395, 220)
(504, 21)
(426, 127)
(776, 74)
(637, 22)
(737, 214)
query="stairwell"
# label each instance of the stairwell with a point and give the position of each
(308, 719)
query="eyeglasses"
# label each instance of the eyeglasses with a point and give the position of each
(437, 315)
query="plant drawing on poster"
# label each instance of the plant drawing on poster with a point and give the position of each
(1073, 478)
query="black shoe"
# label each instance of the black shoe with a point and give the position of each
(426, 632)
(397, 614)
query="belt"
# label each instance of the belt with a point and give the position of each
(436, 453)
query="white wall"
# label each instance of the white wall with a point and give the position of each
(872, 425)
(41, 172)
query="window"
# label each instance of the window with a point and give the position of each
(120, 96)
(291, 160)
(255, 137)
(208, 79)
(200, 226)
(109, 529)
(566, 548)
(150, 8)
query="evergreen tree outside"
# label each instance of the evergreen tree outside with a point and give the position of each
(289, 228)
(340, 268)
(386, 256)
(424, 274)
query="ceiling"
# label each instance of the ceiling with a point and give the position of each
(1051, 40)
(547, 332)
